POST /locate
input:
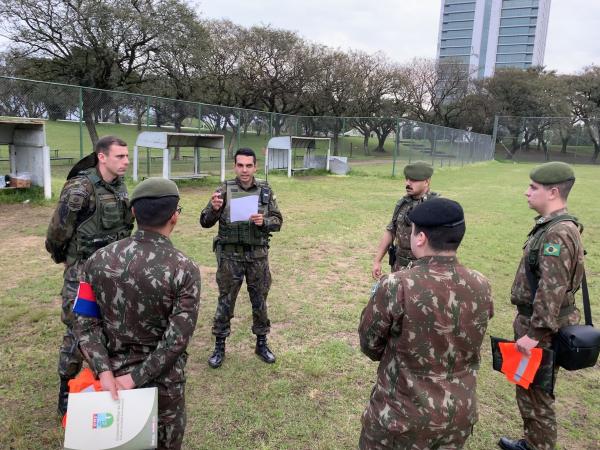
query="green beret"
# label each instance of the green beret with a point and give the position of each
(552, 173)
(419, 171)
(155, 188)
(437, 212)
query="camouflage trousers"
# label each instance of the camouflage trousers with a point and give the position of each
(69, 358)
(230, 275)
(536, 405)
(375, 438)
(172, 417)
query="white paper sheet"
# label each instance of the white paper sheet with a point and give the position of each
(242, 208)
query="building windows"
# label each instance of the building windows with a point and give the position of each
(493, 33)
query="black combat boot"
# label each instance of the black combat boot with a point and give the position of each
(263, 351)
(63, 396)
(216, 359)
(508, 444)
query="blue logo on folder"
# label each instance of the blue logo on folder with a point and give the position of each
(102, 420)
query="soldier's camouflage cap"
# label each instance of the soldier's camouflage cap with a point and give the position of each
(552, 173)
(418, 170)
(437, 212)
(155, 188)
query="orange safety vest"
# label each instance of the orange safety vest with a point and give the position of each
(519, 369)
(85, 381)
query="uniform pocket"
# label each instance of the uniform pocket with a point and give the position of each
(111, 215)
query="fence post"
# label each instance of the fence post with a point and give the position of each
(239, 126)
(495, 134)
(148, 159)
(396, 148)
(80, 122)
(199, 116)
(147, 112)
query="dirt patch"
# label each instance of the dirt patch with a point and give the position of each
(17, 218)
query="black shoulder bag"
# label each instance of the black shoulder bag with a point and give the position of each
(575, 346)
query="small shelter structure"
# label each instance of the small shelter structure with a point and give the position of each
(28, 154)
(167, 141)
(280, 153)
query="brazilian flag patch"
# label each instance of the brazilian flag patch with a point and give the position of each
(551, 249)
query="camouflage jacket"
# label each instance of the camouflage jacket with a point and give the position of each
(425, 325)
(148, 294)
(76, 204)
(272, 222)
(560, 274)
(400, 225)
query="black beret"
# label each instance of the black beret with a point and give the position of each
(155, 188)
(437, 212)
(418, 170)
(552, 173)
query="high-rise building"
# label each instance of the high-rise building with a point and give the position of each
(493, 34)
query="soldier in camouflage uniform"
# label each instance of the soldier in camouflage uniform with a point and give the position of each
(553, 254)
(147, 295)
(396, 238)
(242, 249)
(93, 211)
(425, 326)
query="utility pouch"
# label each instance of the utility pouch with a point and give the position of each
(392, 255)
(265, 195)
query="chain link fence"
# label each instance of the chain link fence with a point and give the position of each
(75, 114)
(539, 139)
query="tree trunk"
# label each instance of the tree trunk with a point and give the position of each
(544, 145)
(366, 144)
(117, 116)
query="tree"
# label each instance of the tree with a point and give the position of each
(103, 44)
(435, 90)
(586, 104)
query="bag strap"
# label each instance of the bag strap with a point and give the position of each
(587, 310)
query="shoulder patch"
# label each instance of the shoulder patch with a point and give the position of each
(551, 249)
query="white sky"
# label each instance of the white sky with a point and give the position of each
(404, 29)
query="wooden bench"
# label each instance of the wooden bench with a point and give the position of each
(69, 159)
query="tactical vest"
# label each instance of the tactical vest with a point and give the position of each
(245, 232)
(402, 241)
(111, 221)
(534, 240)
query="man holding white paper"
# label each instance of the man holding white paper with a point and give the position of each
(247, 212)
(137, 306)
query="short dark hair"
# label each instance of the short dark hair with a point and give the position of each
(245, 151)
(104, 143)
(564, 188)
(443, 238)
(154, 212)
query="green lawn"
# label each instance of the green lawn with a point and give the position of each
(312, 398)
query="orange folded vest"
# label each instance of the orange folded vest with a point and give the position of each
(519, 369)
(83, 382)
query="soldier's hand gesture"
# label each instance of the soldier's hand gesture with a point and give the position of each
(216, 201)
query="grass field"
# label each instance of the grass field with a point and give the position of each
(312, 398)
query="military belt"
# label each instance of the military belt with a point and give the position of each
(239, 248)
(527, 310)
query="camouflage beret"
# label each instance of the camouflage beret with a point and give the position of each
(437, 212)
(155, 188)
(419, 171)
(552, 173)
